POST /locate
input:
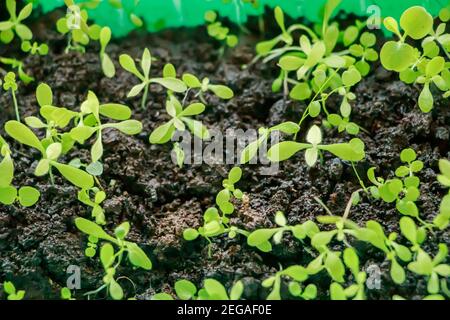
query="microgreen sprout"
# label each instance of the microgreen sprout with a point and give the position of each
(26, 196)
(10, 84)
(18, 65)
(217, 31)
(14, 24)
(80, 35)
(298, 274)
(12, 292)
(356, 290)
(66, 294)
(423, 66)
(129, 65)
(212, 290)
(35, 48)
(107, 65)
(193, 83)
(111, 258)
(98, 197)
(352, 151)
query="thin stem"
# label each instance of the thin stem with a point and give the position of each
(16, 107)
(144, 98)
(52, 178)
(359, 178)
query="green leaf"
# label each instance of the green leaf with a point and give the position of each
(44, 95)
(291, 63)
(22, 134)
(322, 238)
(426, 100)
(108, 66)
(169, 71)
(146, 62)
(397, 56)
(337, 292)
(162, 134)
(335, 267)
(260, 236)
(285, 150)
(115, 111)
(222, 92)
(8, 195)
(28, 196)
(138, 257)
(237, 290)
(423, 264)
(408, 155)
(115, 290)
(235, 175)
(128, 64)
(130, 127)
(193, 110)
(352, 151)
(185, 289)
(190, 234)
(75, 176)
(173, 84)
(6, 171)
(215, 290)
(351, 260)
(191, 81)
(92, 229)
(107, 255)
(301, 91)
(416, 22)
(298, 273)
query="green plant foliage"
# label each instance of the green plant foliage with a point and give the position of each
(442, 219)
(12, 292)
(17, 64)
(352, 151)
(423, 65)
(14, 26)
(107, 65)
(298, 275)
(404, 188)
(171, 83)
(35, 48)
(217, 31)
(10, 84)
(79, 35)
(193, 83)
(109, 256)
(212, 290)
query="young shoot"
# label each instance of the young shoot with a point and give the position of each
(443, 218)
(193, 83)
(170, 83)
(14, 26)
(111, 257)
(107, 65)
(12, 292)
(18, 65)
(35, 48)
(217, 31)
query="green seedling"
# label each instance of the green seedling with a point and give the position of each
(261, 238)
(442, 219)
(212, 290)
(35, 48)
(18, 65)
(50, 155)
(10, 84)
(432, 268)
(252, 148)
(352, 151)
(26, 196)
(181, 118)
(355, 291)
(298, 274)
(224, 197)
(75, 25)
(129, 65)
(12, 292)
(404, 189)
(217, 31)
(90, 123)
(373, 233)
(111, 258)
(107, 65)
(99, 196)
(423, 66)
(193, 83)
(14, 24)
(429, 297)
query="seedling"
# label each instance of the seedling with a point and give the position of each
(261, 238)
(355, 291)
(443, 218)
(107, 65)
(98, 197)
(298, 274)
(26, 196)
(252, 148)
(50, 155)
(212, 290)
(14, 24)
(423, 66)
(170, 83)
(35, 48)
(193, 83)
(18, 65)
(432, 268)
(12, 292)
(352, 151)
(109, 257)
(217, 31)
(374, 234)
(66, 294)
(11, 85)
(75, 25)
(403, 190)
(90, 123)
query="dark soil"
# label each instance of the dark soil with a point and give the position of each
(160, 200)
